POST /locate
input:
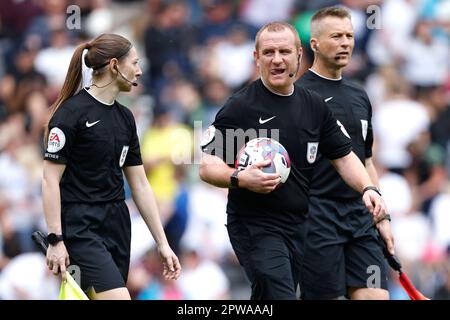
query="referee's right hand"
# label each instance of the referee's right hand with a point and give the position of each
(58, 259)
(254, 179)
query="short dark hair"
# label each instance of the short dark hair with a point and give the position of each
(337, 12)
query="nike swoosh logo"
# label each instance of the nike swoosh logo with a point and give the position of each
(261, 121)
(328, 99)
(91, 124)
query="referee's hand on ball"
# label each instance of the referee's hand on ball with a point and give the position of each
(254, 179)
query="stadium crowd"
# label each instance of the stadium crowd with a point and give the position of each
(194, 54)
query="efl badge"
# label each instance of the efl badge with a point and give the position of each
(56, 140)
(208, 136)
(311, 153)
(364, 126)
(123, 155)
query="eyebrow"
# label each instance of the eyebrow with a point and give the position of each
(342, 32)
(277, 48)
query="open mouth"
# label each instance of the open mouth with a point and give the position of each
(277, 71)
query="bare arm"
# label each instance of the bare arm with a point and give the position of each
(57, 256)
(384, 227)
(145, 201)
(352, 171)
(51, 195)
(355, 175)
(370, 167)
(215, 171)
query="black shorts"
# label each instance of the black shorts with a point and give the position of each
(270, 255)
(341, 250)
(97, 238)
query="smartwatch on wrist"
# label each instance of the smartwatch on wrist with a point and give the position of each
(234, 179)
(371, 188)
(53, 238)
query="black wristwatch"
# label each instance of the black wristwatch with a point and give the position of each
(53, 238)
(387, 216)
(373, 188)
(234, 179)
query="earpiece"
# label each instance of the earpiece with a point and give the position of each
(131, 82)
(291, 75)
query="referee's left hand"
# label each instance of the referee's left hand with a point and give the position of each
(374, 203)
(384, 228)
(172, 267)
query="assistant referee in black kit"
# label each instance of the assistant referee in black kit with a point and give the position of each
(265, 222)
(342, 250)
(91, 138)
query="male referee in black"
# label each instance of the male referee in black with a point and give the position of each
(342, 254)
(263, 220)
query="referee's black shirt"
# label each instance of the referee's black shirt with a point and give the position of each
(351, 106)
(94, 140)
(305, 124)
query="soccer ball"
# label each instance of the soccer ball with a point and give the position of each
(260, 149)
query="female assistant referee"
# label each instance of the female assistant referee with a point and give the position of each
(90, 139)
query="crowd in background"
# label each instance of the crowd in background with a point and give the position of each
(194, 54)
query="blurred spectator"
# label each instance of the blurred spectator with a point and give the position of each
(389, 44)
(7, 88)
(382, 83)
(206, 230)
(165, 145)
(156, 288)
(396, 192)
(412, 233)
(259, 12)
(177, 222)
(397, 122)
(202, 279)
(100, 19)
(193, 52)
(427, 60)
(215, 93)
(440, 218)
(443, 292)
(38, 35)
(426, 172)
(232, 58)
(27, 277)
(218, 19)
(167, 41)
(184, 101)
(53, 61)
(15, 18)
(17, 189)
